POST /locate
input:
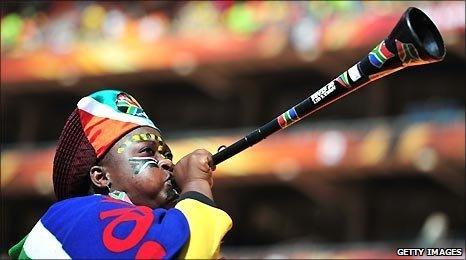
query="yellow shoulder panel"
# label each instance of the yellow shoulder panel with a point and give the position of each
(207, 226)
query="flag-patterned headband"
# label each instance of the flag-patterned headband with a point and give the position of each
(105, 115)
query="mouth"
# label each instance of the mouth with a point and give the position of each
(169, 175)
(171, 184)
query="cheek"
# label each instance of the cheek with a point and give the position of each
(122, 175)
(150, 180)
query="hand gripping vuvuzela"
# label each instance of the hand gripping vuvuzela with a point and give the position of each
(415, 40)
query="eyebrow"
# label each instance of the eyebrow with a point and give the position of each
(145, 137)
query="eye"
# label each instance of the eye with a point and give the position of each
(147, 150)
(168, 155)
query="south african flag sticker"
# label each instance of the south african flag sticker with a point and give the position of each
(288, 118)
(379, 55)
(407, 52)
(343, 80)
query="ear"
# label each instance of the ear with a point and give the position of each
(99, 176)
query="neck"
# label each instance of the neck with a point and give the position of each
(120, 195)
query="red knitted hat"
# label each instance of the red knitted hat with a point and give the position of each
(99, 121)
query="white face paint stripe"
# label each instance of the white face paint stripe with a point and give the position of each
(139, 160)
(145, 165)
(42, 244)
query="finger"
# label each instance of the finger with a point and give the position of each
(210, 162)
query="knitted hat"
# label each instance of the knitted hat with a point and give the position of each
(98, 122)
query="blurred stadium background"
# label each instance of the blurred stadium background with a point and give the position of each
(380, 169)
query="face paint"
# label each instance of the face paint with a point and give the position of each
(141, 138)
(123, 146)
(160, 148)
(140, 163)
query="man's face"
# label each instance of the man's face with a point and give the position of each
(140, 165)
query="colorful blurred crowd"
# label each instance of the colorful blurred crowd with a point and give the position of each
(59, 25)
(84, 38)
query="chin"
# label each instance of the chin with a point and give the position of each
(169, 205)
(170, 199)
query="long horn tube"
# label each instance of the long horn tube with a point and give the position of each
(415, 40)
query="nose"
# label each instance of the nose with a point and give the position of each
(166, 164)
